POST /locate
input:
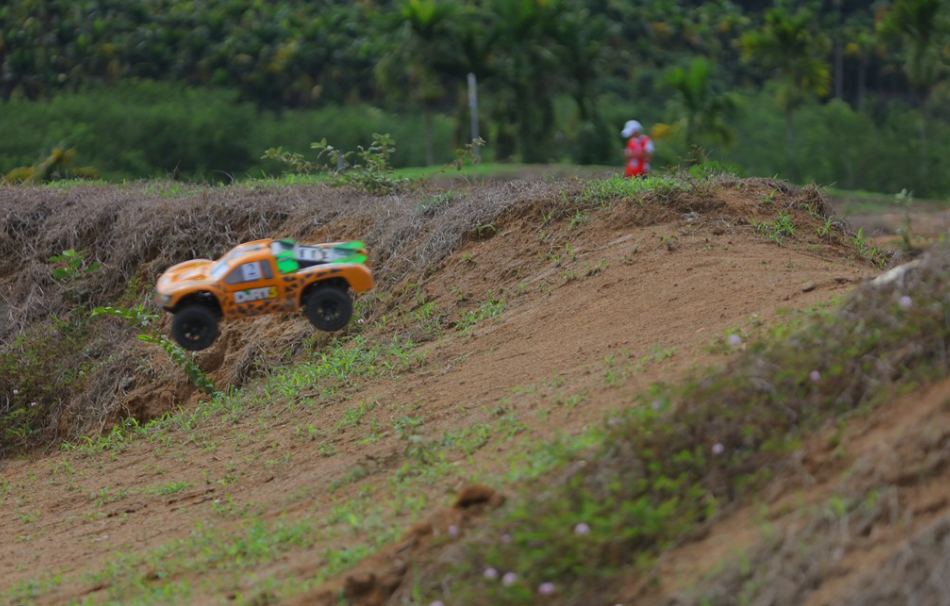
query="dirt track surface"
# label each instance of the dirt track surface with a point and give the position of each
(596, 309)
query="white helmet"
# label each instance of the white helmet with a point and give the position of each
(630, 128)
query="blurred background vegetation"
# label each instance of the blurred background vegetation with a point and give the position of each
(844, 92)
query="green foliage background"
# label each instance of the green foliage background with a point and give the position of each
(846, 92)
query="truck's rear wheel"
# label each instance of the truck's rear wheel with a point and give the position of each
(329, 308)
(195, 327)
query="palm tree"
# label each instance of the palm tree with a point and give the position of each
(581, 50)
(862, 46)
(787, 47)
(526, 68)
(704, 111)
(419, 28)
(921, 26)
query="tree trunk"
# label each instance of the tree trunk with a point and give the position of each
(924, 144)
(839, 68)
(430, 159)
(862, 82)
(789, 147)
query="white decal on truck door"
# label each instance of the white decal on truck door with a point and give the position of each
(251, 271)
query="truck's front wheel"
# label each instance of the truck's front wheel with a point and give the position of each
(195, 327)
(329, 308)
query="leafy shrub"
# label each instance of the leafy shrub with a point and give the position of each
(39, 370)
(141, 129)
(373, 174)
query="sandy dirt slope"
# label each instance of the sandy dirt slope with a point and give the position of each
(651, 295)
(861, 518)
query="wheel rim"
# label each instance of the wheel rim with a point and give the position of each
(328, 310)
(194, 330)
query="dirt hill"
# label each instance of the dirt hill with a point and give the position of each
(513, 324)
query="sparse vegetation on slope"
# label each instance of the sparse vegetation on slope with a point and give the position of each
(347, 441)
(681, 455)
(131, 233)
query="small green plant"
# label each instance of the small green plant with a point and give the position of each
(571, 252)
(825, 228)
(579, 218)
(490, 308)
(484, 229)
(777, 230)
(905, 199)
(405, 426)
(867, 250)
(169, 488)
(669, 241)
(596, 269)
(104, 496)
(353, 416)
(371, 172)
(72, 265)
(69, 268)
(436, 200)
(605, 192)
(659, 354)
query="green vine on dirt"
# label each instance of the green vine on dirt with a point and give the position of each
(141, 318)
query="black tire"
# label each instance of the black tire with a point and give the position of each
(329, 308)
(195, 327)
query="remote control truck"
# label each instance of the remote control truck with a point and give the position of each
(262, 277)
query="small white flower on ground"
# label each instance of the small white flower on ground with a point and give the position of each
(718, 448)
(491, 574)
(905, 302)
(656, 405)
(582, 528)
(815, 376)
(506, 538)
(360, 321)
(16, 391)
(735, 340)
(546, 588)
(509, 579)
(453, 530)
(437, 603)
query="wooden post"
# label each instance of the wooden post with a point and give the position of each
(473, 108)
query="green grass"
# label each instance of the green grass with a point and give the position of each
(339, 366)
(858, 201)
(489, 309)
(606, 191)
(352, 529)
(777, 230)
(168, 488)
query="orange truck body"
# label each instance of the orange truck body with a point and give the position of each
(250, 280)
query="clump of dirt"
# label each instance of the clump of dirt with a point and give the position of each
(102, 374)
(374, 580)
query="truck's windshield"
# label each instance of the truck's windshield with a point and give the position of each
(219, 268)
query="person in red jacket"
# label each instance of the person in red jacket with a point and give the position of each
(639, 150)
